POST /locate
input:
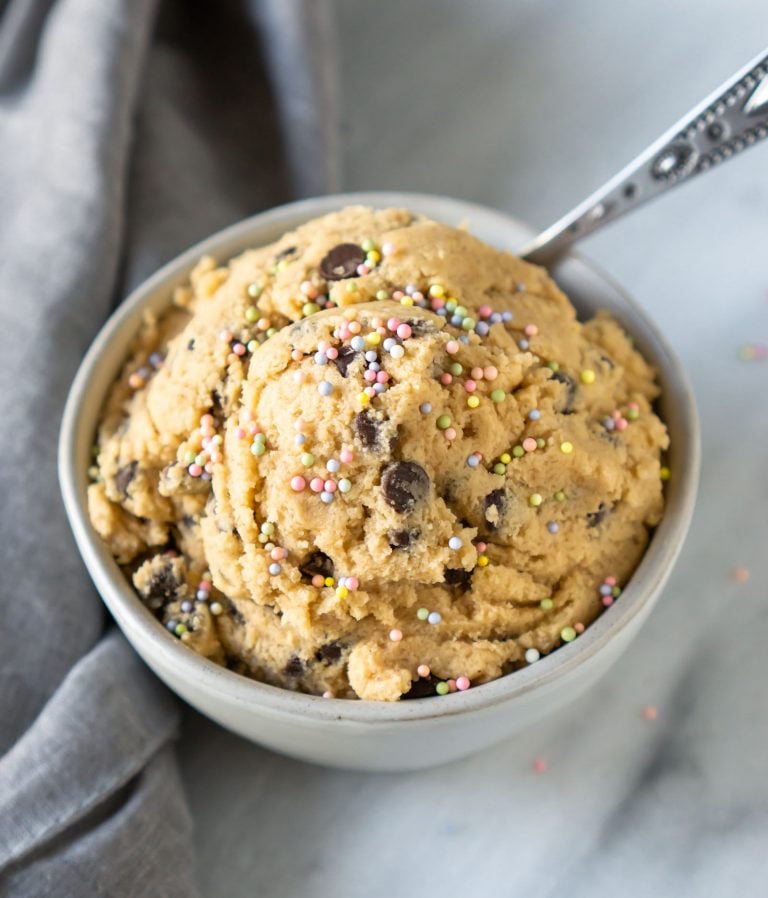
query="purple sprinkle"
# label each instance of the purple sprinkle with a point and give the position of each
(482, 328)
(410, 289)
(495, 317)
(326, 497)
(201, 595)
(171, 625)
(523, 344)
(325, 388)
(606, 590)
(553, 526)
(379, 388)
(507, 316)
(425, 408)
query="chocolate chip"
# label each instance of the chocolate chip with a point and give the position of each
(458, 578)
(419, 327)
(608, 361)
(494, 508)
(366, 426)
(404, 484)
(595, 518)
(217, 404)
(344, 359)
(570, 390)
(125, 476)
(283, 254)
(233, 612)
(316, 563)
(341, 262)
(402, 539)
(191, 344)
(161, 589)
(329, 653)
(294, 668)
(424, 687)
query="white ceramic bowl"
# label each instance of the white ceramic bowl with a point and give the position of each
(371, 735)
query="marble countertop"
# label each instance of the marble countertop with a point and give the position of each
(529, 106)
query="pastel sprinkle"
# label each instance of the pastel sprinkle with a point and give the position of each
(395, 635)
(650, 712)
(422, 613)
(425, 408)
(566, 447)
(532, 655)
(546, 604)
(298, 483)
(553, 527)
(473, 401)
(529, 444)
(498, 396)
(325, 388)
(665, 473)
(344, 485)
(534, 414)
(535, 499)
(307, 459)
(434, 617)
(442, 689)
(443, 422)
(740, 574)
(568, 634)
(423, 670)
(455, 543)
(462, 684)
(587, 376)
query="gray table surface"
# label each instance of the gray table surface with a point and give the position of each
(527, 106)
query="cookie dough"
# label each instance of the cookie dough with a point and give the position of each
(378, 459)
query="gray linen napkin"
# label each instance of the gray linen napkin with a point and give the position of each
(126, 132)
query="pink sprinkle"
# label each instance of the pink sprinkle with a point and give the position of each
(277, 554)
(329, 694)
(607, 601)
(308, 289)
(355, 327)
(352, 583)
(387, 249)
(316, 484)
(226, 336)
(634, 406)
(318, 580)
(423, 670)
(393, 324)
(395, 635)
(450, 434)
(417, 295)
(404, 331)
(437, 302)
(208, 468)
(253, 429)
(330, 486)
(206, 421)
(650, 713)
(610, 581)
(470, 386)
(297, 355)
(204, 585)
(398, 295)
(446, 378)
(382, 377)
(370, 392)
(370, 376)
(490, 372)
(332, 352)
(207, 432)
(539, 765)
(240, 433)
(529, 444)
(462, 684)
(451, 684)
(579, 628)
(300, 425)
(136, 381)
(530, 330)
(363, 270)
(298, 483)
(452, 347)
(346, 455)
(485, 311)
(481, 547)
(621, 424)
(740, 574)
(477, 373)
(195, 470)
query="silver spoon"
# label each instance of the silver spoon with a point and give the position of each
(732, 118)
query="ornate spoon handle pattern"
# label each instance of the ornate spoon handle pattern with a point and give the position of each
(728, 121)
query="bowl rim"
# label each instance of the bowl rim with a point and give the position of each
(130, 612)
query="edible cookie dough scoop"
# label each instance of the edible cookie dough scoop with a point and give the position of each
(732, 118)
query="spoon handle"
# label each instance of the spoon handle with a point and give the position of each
(728, 121)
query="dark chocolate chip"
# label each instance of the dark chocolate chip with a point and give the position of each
(341, 262)
(458, 578)
(595, 518)
(316, 563)
(420, 326)
(570, 390)
(233, 612)
(494, 508)
(366, 426)
(403, 539)
(424, 687)
(404, 485)
(191, 344)
(124, 477)
(608, 361)
(344, 359)
(162, 587)
(294, 668)
(329, 653)
(283, 254)
(217, 404)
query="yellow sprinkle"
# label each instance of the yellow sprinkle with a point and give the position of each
(473, 401)
(437, 290)
(329, 581)
(566, 447)
(373, 338)
(505, 459)
(374, 256)
(587, 376)
(406, 301)
(342, 592)
(535, 499)
(665, 473)
(363, 398)
(482, 560)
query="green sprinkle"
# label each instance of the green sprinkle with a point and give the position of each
(499, 468)
(254, 290)
(632, 414)
(382, 295)
(271, 331)
(546, 604)
(559, 496)
(456, 368)
(518, 451)
(461, 310)
(189, 457)
(442, 689)
(268, 527)
(258, 449)
(422, 613)
(252, 345)
(468, 324)
(367, 245)
(567, 634)
(443, 422)
(616, 592)
(251, 314)
(307, 459)
(498, 395)
(541, 442)
(180, 628)
(553, 366)
(451, 305)
(93, 472)
(281, 265)
(352, 287)
(309, 308)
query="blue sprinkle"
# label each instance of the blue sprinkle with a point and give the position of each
(274, 569)
(520, 287)
(333, 465)
(609, 424)
(553, 526)
(155, 360)
(357, 343)
(495, 317)
(300, 439)
(205, 476)
(371, 355)
(455, 543)
(321, 358)
(389, 343)
(606, 590)
(473, 461)
(326, 497)
(456, 320)
(442, 313)
(425, 408)
(482, 328)
(379, 388)
(171, 625)
(464, 338)
(374, 366)
(534, 414)
(325, 388)
(507, 316)
(201, 595)
(434, 617)
(186, 606)
(523, 344)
